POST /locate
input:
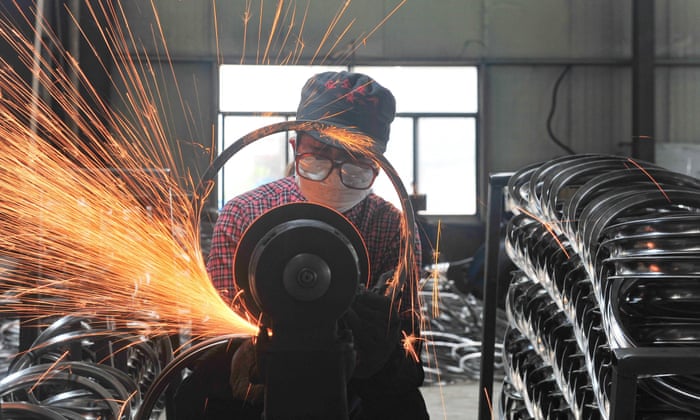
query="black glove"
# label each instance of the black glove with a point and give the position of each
(401, 374)
(375, 328)
(243, 375)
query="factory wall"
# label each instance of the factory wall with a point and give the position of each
(523, 48)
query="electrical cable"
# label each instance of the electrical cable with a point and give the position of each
(553, 108)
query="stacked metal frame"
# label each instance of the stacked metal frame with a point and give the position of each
(9, 341)
(608, 252)
(76, 369)
(79, 369)
(453, 330)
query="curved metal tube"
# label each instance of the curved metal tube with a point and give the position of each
(175, 367)
(207, 181)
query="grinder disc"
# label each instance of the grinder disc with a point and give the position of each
(298, 261)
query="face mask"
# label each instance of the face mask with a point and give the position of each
(331, 192)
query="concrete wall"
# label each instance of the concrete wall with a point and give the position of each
(521, 46)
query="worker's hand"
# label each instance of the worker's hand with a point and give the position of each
(243, 373)
(375, 329)
(386, 283)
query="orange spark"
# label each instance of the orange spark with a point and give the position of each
(49, 370)
(287, 34)
(273, 29)
(219, 59)
(124, 405)
(93, 225)
(409, 345)
(246, 18)
(549, 228)
(436, 275)
(282, 28)
(260, 27)
(488, 402)
(95, 215)
(364, 39)
(330, 28)
(650, 177)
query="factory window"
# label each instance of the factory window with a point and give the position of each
(433, 138)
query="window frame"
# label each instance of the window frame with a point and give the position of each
(415, 164)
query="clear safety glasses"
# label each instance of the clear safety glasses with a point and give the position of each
(354, 174)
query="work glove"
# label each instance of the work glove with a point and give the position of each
(400, 375)
(244, 379)
(374, 323)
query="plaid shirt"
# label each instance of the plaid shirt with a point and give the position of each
(377, 220)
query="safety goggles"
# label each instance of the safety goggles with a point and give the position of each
(354, 174)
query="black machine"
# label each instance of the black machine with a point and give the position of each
(300, 266)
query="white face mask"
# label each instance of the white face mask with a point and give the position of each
(331, 192)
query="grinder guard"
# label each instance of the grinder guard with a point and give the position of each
(299, 266)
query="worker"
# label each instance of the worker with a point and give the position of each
(386, 380)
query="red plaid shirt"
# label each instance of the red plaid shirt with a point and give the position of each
(377, 220)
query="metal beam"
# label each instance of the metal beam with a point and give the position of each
(643, 80)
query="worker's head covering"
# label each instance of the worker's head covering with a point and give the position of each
(352, 101)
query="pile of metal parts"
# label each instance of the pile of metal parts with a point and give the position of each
(453, 330)
(78, 370)
(9, 342)
(609, 256)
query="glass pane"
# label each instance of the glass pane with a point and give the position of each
(399, 153)
(256, 89)
(256, 164)
(446, 150)
(447, 164)
(429, 89)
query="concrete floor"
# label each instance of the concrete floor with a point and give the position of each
(456, 401)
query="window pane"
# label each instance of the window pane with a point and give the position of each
(399, 153)
(250, 88)
(447, 164)
(446, 154)
(258, 163)
(429, 89)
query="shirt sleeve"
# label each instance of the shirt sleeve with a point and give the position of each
(382, 230)
(227, 233)
(234, 218)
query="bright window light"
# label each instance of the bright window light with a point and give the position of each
(447, 164)
(432, 144)
(256, 164)
(250, 88)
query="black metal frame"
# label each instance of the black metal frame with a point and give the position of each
(630, 364)
(495, 210)
(643, 80)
